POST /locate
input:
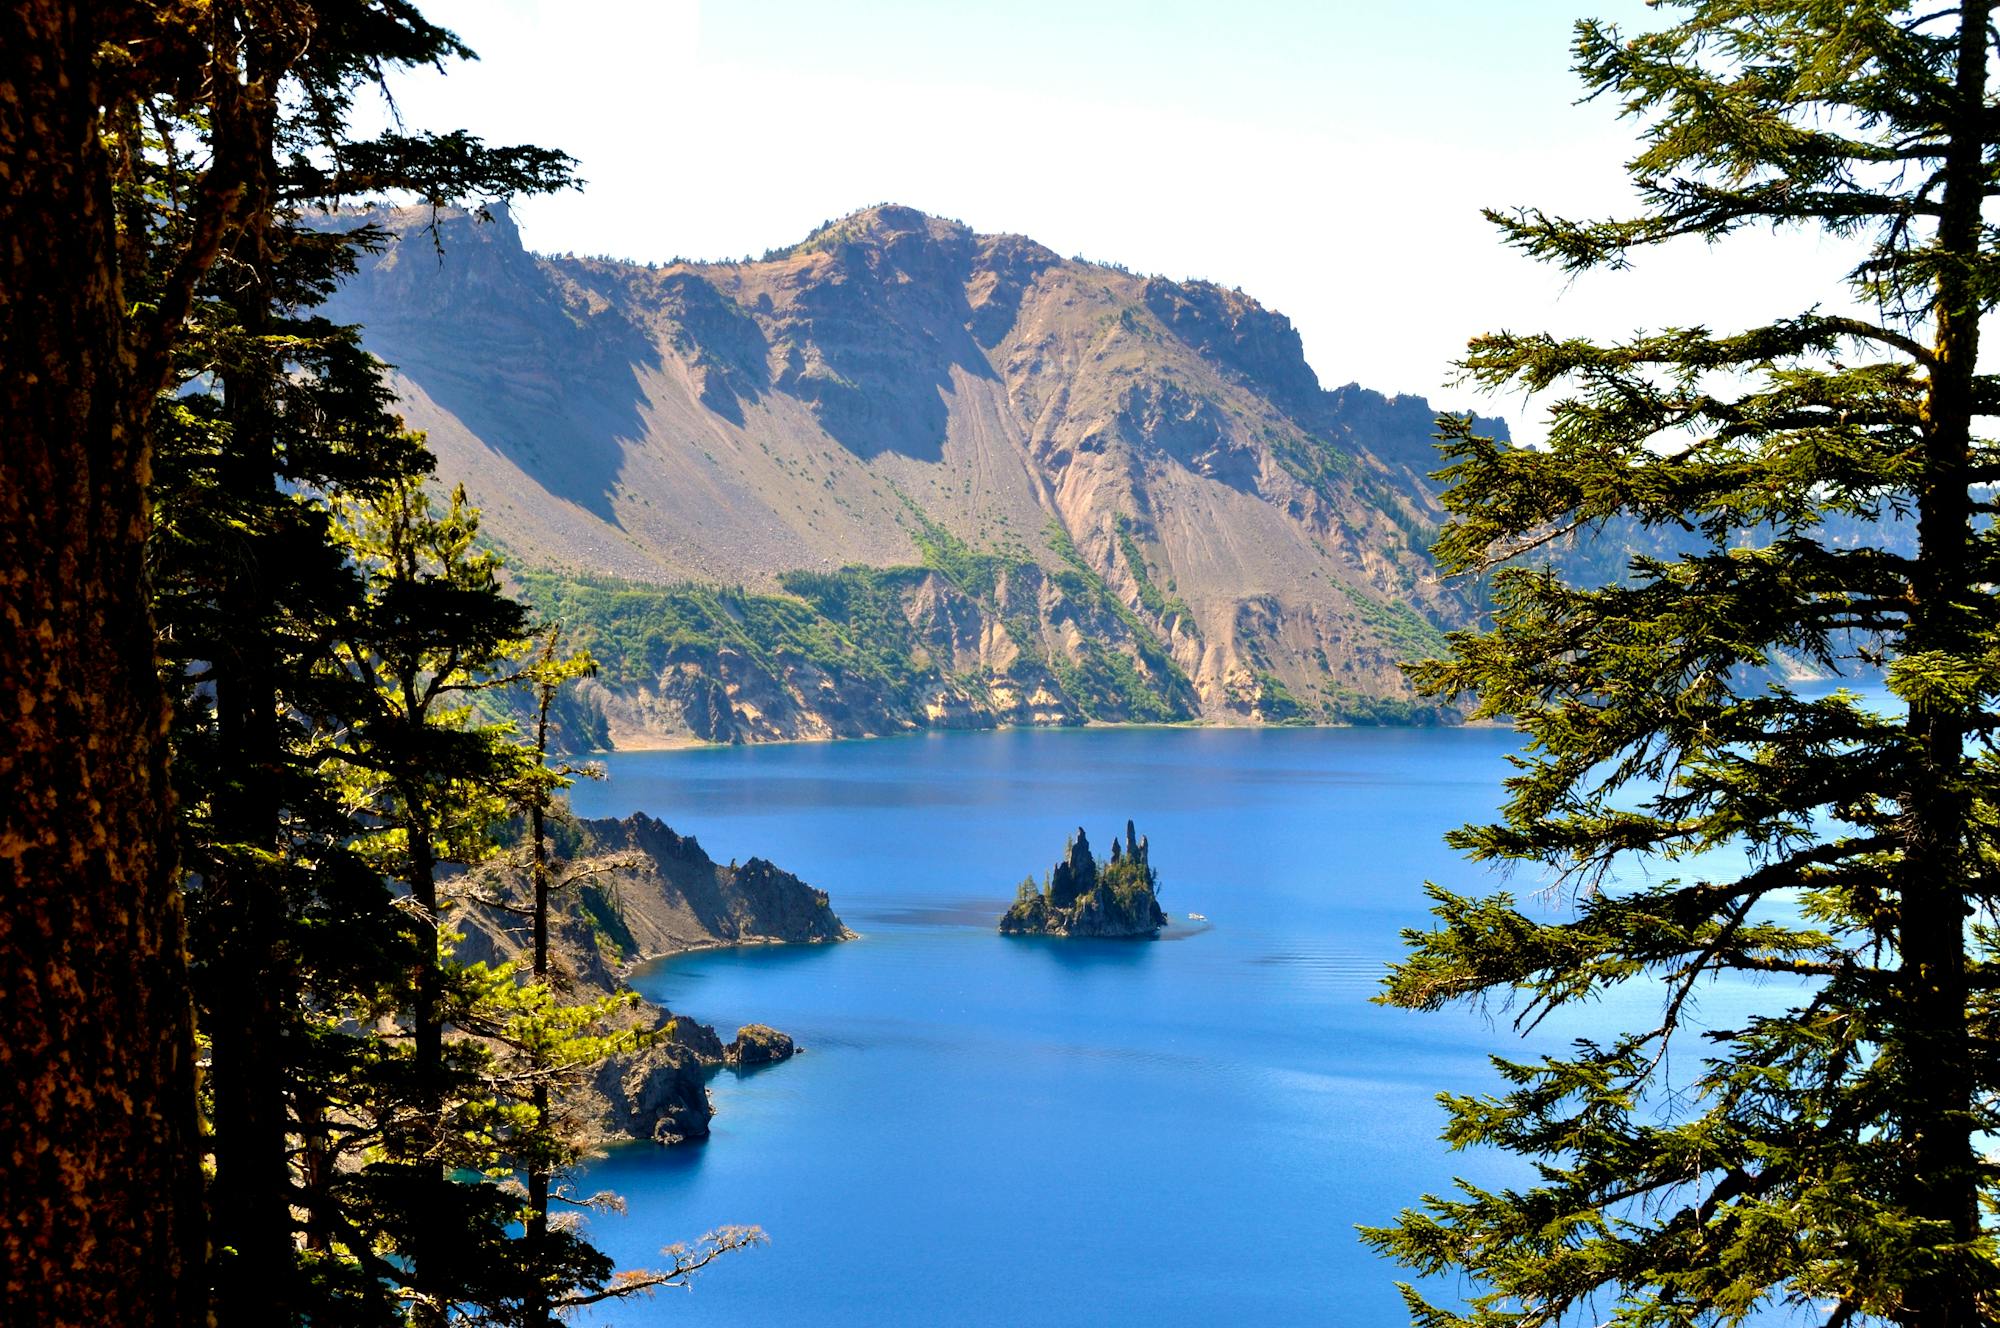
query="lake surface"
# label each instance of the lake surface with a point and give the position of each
(989, 1130)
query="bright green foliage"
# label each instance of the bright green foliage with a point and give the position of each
(1103, 679)
(439, 629)
(1131, 882)
(848, 620)
(535, 1044)
(851, 622)
(1275, 700)
(548, 1044)
(326, 756)
(428, 783)
(973, 572)
(1102, 682)
(1829, 1152)
(1408, 632)
(470, 1087)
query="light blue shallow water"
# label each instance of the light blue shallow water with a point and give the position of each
(1010, 1131)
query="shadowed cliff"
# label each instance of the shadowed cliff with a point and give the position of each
(1086, 494)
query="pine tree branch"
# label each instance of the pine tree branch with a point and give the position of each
(1683, 984)
(686, 1263)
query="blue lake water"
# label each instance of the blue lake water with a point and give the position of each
(988, 1130)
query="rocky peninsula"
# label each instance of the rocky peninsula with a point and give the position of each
(632, 890)
(1079, 898)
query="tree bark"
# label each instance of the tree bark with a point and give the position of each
(245, 996)
(537, 1311)
(101, 1222)
(427, 1038)
(1938, 1071)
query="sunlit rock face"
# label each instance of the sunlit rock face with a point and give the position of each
(1091, 494)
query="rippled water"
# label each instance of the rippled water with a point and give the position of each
(990, 1130)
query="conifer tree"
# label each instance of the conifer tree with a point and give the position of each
(468, 1090)
(98, 1146)
(430, 778)
(163, 160)
(274, 408)
(546, 1042)
(551, 671)
(1828, 1152)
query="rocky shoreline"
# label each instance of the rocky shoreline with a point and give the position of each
(631, 891)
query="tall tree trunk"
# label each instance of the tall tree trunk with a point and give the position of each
(428, 1018)
(537, 1310)
(101, 1222)
(427, 1038)
(247, 987)
(1935, 1042)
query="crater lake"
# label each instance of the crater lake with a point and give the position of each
(1012, 1130)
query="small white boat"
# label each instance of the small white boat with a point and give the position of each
(1196, 917)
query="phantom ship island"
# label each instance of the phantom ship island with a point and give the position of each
(1082, 899)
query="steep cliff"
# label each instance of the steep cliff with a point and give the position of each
(905, 475)
(630, 890)
(672, 896)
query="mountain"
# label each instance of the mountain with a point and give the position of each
(904, 475)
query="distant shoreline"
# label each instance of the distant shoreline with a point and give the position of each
(629, 968)
(685, 743)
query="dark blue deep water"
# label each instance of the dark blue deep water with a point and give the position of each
(1012, 1131)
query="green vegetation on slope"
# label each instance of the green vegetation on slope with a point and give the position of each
(857, 622)
(1162, 692)
(1312, 461)
(1166, 608)
(1131, 882)
(975, 573)
(1411, 635)
(843, 620)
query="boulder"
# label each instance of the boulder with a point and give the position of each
(759, 1044)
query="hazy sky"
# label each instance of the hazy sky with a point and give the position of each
(1328, 156)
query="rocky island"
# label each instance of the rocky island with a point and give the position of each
(1080, 898)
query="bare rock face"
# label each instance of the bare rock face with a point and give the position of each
(649, 892)
(1075, 875)
(759, 1044)
(1140, 457)
(697, 1037)
(675, 896)
(660, 1094)
(1115, 900)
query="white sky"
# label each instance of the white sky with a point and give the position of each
(1330, 158)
